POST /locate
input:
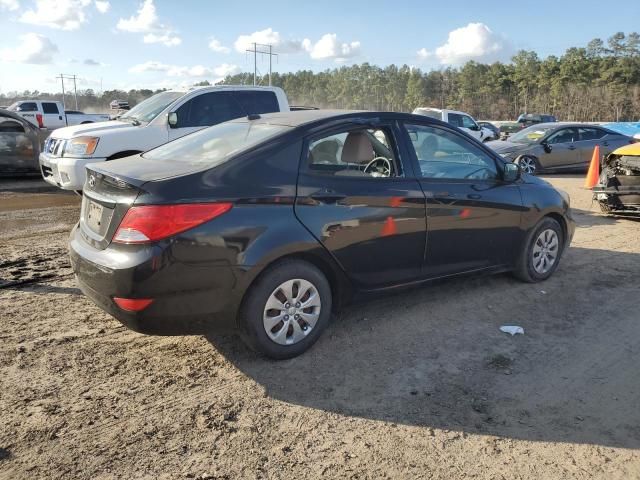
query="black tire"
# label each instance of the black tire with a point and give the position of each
(525, 160)
(252, 329)
(605, 207)
(524, 268)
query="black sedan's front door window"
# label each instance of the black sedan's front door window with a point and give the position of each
(473, 217)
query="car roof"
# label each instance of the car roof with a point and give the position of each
(568, 125)
(307, 118)
(213, 88)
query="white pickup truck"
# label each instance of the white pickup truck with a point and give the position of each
(462, 120)
(157, 120)
(51, 115)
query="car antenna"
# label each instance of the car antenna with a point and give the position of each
(253, 116)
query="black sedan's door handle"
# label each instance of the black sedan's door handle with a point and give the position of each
(474, 196)
(572, 147)
(327, 196)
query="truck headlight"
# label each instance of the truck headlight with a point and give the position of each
(81, 146)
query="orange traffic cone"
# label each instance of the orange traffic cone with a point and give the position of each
(389, 227)
(594, 169)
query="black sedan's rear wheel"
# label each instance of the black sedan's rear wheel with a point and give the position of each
(286, 310)
(541, 252)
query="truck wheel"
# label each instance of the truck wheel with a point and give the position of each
(541, 252)
(286, 310)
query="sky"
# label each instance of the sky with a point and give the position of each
(153, 44)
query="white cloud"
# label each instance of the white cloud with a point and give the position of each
(196, 71)
(216, 46)
(90, 62)
(268, 37)
(226, 69)
(475, 41)
(146, 21)
(59, 14)
(149, 66)
(423, 53)
(35, 49)
(10, 5)
(329, 47)
(102, 6)
(167, 39)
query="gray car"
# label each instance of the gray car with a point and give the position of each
(558, 147)
(19, 145)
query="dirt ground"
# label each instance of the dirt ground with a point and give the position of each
(420, 384)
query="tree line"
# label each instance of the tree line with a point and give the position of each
(599, 82)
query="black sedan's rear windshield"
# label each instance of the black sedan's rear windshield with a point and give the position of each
(214, 145)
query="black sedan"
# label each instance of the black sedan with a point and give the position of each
(266, 225)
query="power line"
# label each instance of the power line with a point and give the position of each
(255, 52)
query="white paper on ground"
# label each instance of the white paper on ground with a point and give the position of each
(512, 329)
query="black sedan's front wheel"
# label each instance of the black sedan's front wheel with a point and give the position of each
(541, 252)
(286, 310)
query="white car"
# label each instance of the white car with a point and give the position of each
(462, 120)
(157, 120)
(52, 115)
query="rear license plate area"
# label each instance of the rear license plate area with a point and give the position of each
(94, 216)
(97, 217)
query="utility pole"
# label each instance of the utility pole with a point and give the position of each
(62, 80)
(255, 52)
(75, 90)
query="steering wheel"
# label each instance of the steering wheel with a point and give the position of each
(379, 167)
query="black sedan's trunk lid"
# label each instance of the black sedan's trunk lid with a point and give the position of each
(112, 187)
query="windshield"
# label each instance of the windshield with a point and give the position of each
(13, 107)
(152, 106)
(530, 135)
(214, 145)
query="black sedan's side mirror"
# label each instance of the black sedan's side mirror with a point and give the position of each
(546, 146)
(172, 120)
(511, 172)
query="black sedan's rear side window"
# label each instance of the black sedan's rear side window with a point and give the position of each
(215, 145)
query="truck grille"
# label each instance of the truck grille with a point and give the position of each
(54, 146)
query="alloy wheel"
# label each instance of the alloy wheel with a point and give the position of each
(291, 311)
(527, 164)
(545, 251)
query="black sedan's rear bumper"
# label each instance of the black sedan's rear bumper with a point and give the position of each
(189, 298)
